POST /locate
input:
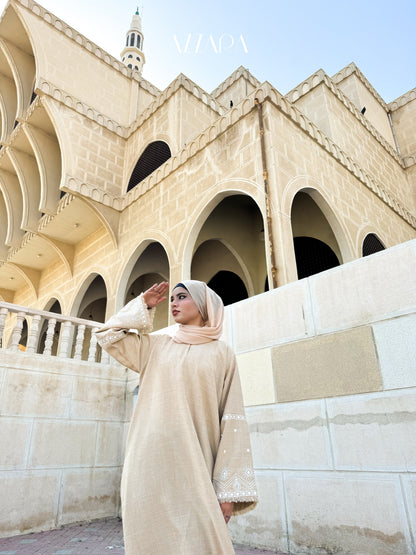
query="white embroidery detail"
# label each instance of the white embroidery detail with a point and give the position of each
(233, 417)
(111, 338)
(235, 486)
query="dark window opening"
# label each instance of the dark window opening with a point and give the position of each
(372, 244)
(132, 39)
(313, 256)
(34, 96)
(130, 66)
(229, 286)
(127, 40)
(153, 156)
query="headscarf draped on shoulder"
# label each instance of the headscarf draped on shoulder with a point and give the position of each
(210, 306)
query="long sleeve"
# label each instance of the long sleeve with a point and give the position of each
(233, 476)
(124, 337)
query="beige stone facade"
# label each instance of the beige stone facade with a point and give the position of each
(108, 184)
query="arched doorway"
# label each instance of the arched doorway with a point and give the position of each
(372, 244)
(230, 248)
(316, 247)
(151, 267)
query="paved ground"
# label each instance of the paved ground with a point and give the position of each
(99, 537)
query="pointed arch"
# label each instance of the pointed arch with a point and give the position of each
(13, 200)
(82, 299)
(147, 264)
(234, 219)
(154, 155)
(308, 185)
(372, 244)
(27, 173)
(48, 157)
(23, 68)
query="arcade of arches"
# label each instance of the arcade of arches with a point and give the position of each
(229, 254)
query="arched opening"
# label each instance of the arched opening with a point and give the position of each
(151, 267)
(313, 256)
(230, 249)
(154, 155)
(372, 244)
(92, 307)
(52, 306)
(229, 286)
(316, 247)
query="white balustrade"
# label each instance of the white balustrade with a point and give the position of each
(3, 315)
(33, 335)
(65, 330)
(17, 331)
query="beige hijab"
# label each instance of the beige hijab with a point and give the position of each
(211, 308)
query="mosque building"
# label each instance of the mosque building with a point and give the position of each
(106, 189)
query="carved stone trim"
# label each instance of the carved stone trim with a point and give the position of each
(180, 81)
(60, 95)
(93, 193)
(239, 72)
(349, 70)
(321, 77)
(266, 91)
(402, 100)
(77, 37)
(409, 160)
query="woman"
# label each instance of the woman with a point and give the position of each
(188, 463)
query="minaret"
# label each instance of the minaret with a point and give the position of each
(132, 54)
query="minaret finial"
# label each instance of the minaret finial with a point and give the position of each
(132, 54)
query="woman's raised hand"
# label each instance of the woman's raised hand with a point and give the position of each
(156, 294)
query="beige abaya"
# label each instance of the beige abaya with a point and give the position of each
(188, 448)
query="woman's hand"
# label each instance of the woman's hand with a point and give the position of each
(227, 511)
(156, 294)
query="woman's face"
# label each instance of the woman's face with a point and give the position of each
(183, 308)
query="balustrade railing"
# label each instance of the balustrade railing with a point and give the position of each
(48, 333)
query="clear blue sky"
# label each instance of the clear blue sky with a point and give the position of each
(279, 41)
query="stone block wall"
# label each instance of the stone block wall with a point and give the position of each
(328, 373)
(328, 369)
(61, 443)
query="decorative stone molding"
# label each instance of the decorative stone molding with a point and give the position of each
(266, 91)
(321, 77)
(402, 100)
(306, 86)
(77, 105)
(94, 49)
(349, 70)
(239, 72)
(48, 88)
(180, 81)
(409, 160)
(27, 237)
(93, 193)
